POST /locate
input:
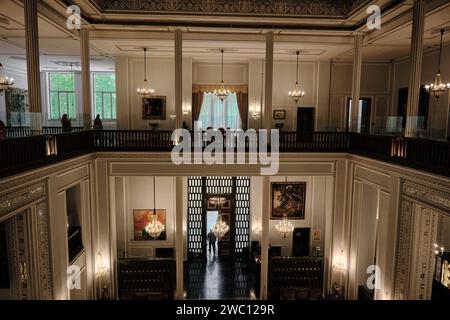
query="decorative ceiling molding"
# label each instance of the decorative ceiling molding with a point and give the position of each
(267, 8)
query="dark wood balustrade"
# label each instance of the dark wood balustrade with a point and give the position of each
(20, 132)
(33, 151)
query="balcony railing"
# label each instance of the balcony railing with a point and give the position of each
(20, 132)
(20, 154)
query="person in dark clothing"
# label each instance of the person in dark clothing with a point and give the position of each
(66, 124)
(2, 130)
(212, 241)
(98, 123)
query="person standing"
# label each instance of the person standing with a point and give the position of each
(98, 123)
(66, 124)
(212, 241)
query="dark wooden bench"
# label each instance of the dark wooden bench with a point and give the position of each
(146, 279)
(295, 278)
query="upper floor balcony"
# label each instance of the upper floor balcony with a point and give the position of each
(26, 152)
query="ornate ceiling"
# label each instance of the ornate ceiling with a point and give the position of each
(255, 8)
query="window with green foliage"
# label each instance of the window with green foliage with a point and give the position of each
(62, 95)
(105, 96)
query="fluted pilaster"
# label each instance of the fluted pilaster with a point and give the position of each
(415, 68)
(33, 67)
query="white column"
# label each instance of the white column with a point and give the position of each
(415, 67)
(267, 122)
(86, 78)
(356, 86)
(265, 219)
(179, 78)
(179, 237)
(33, 67)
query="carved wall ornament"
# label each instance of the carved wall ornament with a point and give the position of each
(427, 195)
(278, 8)
(20, 198)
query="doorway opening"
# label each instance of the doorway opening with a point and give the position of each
(364, 115)
(219, 266)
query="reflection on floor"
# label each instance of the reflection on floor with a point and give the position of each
(221, 278)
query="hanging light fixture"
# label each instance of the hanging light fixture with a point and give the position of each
(284, 226)
(5, 82)
(438, 88)
(221, 228)
(222, 93)
(154, 228)
(145, 91)
(297, 93)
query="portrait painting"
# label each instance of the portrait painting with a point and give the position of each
(288, 199)
(154, 108)
(279, 115)
(141, 218)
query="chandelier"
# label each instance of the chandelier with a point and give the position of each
(222, 93)
(438, 88)
(154, 228)
(284, 226)
(297, 93)
(5, 82)
(221, 228)
(145, 91)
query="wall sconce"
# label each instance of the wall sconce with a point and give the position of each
(438, 250)
(173, 116)
(339, 263)
(102, 270)
(186, 107)
(255, 111)
(51, 146)
(257, 229)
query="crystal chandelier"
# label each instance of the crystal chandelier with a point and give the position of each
(297, 93)
(284, 226)
(5, 82)
(221, 228)
(222, 93)
(145, 91)
(154, 228)
(438, 88)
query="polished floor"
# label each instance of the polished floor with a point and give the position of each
(218, 277)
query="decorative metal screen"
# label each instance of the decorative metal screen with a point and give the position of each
(242, 213)
(195, 215)
(219, 185)
(238, 190)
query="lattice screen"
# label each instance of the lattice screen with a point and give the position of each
(195, 215)
(238, 189)
(242, 213)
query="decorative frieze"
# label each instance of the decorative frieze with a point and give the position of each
(405, 232)
(278, 8)
(45, 268)
(427, 195)
(20, 198)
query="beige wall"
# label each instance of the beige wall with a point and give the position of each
(438, 115)
(375, 84)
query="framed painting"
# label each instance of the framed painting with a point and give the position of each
(279, 114)
(142, 217)
(154, 108)
(288, 199)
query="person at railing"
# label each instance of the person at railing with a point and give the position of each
(2, 130)
(98, 123)
(66, 124)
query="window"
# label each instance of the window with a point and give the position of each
(62, 95)
(218, 114)
(105, 96)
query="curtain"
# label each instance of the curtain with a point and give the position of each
(242, 102)
(220, 114)
(197, 101)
